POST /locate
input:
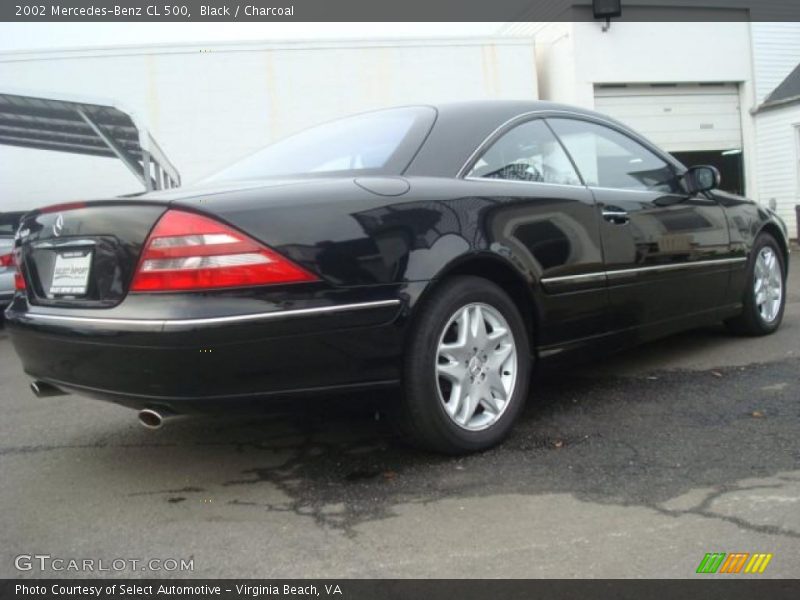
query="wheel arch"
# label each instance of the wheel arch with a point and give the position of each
(776, 232)
(502, 273)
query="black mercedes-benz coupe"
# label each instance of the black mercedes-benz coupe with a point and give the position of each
(444, 249)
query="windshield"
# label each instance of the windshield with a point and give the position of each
(380, 142)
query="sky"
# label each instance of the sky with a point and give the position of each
(49, 36)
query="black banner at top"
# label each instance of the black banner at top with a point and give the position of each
(406, 10)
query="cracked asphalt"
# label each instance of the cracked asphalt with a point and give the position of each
(633, 466)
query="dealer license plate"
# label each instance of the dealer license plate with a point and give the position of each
(71, 273)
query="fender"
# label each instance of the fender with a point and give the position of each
(776, 227)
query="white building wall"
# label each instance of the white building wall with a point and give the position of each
(776, 52)
(555, 58)
(643, 52)
(778, 151)
(209, 105)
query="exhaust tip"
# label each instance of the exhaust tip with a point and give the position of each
(151, 419)
(42, 389)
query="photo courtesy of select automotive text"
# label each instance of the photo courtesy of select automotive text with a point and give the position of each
(349, 299)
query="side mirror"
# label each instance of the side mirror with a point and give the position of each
(702, 178)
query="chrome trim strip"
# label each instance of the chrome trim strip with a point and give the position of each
(283, 314)
(172, 324)
(673, 267)
(63, 242)
(617, 273)
(583, 277)
(639, 191)
(498, 180)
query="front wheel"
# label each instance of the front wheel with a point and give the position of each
(467, 367)
(765, 293)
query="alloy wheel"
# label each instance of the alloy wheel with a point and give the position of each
(768, 284)
(476, 366)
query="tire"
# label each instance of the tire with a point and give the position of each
(759, 317)
(430, 372)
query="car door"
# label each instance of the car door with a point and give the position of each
(665, 251)
(544, 219)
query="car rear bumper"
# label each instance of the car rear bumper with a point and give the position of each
(192, 360)
(6, 286)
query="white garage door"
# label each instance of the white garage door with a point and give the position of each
(678, 118)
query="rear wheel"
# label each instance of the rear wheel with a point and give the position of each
(765, 295)
(466, 369)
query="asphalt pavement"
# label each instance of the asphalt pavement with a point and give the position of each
(633, 466)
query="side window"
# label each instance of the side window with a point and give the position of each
(529, 152)
(607, 158)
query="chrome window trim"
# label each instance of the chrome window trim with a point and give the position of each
(616, 273)
(498, 180)
(174, 324)
(636, 191)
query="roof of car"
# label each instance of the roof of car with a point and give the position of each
(506, 109)
(501, 105)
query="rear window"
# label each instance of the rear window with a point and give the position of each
(380, 142)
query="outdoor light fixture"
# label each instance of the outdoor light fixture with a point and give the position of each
(607, 9)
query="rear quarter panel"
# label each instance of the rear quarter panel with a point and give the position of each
(351, 236)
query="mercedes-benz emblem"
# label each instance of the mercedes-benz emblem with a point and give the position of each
(58, 225)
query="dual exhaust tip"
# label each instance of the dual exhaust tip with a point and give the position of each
(149, 418)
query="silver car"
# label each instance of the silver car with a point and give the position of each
(8, 227)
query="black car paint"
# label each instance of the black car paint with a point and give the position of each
(376, 238)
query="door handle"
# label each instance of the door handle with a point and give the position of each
(616, 216)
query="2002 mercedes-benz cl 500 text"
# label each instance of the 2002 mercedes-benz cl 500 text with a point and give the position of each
(445, 249)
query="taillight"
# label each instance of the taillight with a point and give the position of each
(19, 278)
(7, 260)
(19, 281)
(186, 251)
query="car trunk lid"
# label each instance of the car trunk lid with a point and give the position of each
(84, 254)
